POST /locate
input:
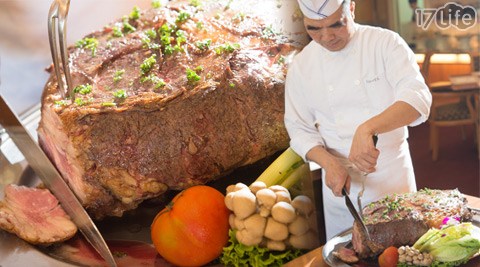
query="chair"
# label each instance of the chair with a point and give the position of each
(449, 108)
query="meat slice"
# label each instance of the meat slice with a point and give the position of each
(184, 96)
(35, 216)
(346, 255)
(398, 220)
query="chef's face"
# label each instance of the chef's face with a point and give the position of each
(333, 32)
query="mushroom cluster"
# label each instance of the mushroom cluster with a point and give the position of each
(268, 217)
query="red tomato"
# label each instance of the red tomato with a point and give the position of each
(389, 257)
(193, 228)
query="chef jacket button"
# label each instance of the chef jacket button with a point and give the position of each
(330, 88)
(357, 82)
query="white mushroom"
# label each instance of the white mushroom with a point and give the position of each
(240, 186)
(257, 185)
(303, 205)
(277, 188)
(283, 196)
(231, 221)
(283, 212)
(231, 188)
(246, 238)
(309, 240)
(229, 200)
(244, 203)
(239, 224)
(266, 197)
(255, 224)
(299, 226)
(264, 211)
(276, 245)
(275, 230)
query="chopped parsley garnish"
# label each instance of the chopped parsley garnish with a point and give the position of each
(61, 103)
(199, 25)
(192, 76)
(232, 85)
(109, 104)
(151, 33)
(158, 82)
(135, 13)
(181, 38)
(147, 64)
(127, 27)
(116, 32)
(118, 75)
(268, 32)
(120, 94)
(195, 3)
(182, 17)
(80, 102)
(88, 43)
(156, 4)
(83, 89)
(226, 48)
(204, 45)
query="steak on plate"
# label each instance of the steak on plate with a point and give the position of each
(398, 220)
(35, 216)
(165, 99)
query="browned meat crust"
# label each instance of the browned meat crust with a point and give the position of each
(145, 125)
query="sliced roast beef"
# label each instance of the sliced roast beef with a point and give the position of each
(398, 220)
(35, 216)
(174, 97)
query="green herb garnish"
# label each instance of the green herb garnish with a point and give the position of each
(127, 27)
(158, 82)
(83, 89)
(88, 43)
(226, 48)
(135, 13)
(182, 17)
(192, 76)
(118, 75)
(204, 45)
(147, 64)
(156, 4)
(120, 94)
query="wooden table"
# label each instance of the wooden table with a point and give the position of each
(314, 257)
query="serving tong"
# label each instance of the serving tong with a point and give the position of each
(57, 25)
(364, 177)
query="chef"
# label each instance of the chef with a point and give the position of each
(349, 83)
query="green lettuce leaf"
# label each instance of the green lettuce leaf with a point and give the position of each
(239, 255)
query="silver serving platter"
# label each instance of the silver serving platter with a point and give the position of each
(342, 239)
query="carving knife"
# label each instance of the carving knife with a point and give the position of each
(43, 167)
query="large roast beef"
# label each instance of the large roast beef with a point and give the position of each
(399, 220)
(166, 99)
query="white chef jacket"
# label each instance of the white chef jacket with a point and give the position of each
(329, 94)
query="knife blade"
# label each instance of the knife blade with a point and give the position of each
(46, 171)
(354, 213)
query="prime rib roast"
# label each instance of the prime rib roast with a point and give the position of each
(34, 215)
(398, 220)
(165, 99)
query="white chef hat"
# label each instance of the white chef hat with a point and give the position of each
(319, 9)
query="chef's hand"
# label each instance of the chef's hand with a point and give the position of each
(363, 153)
(336, 177)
